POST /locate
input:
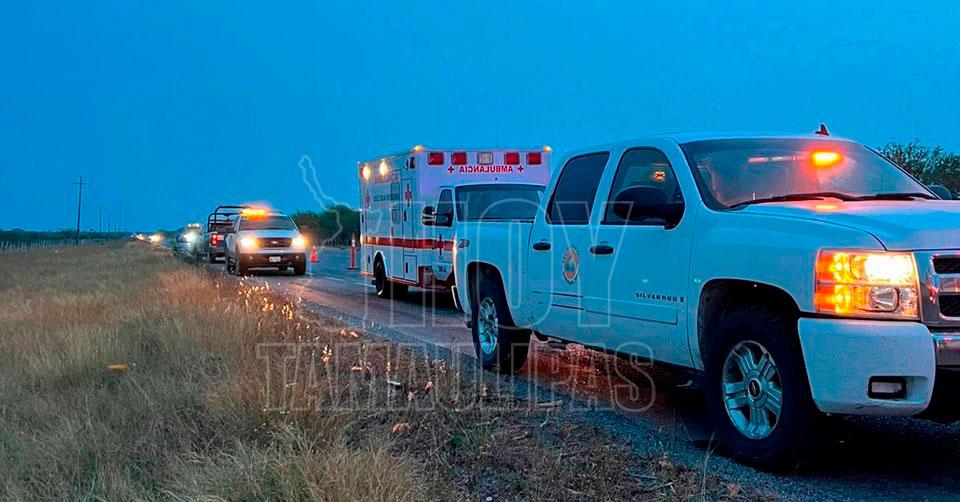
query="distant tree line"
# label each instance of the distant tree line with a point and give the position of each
(18, 235)
(334, 226)
(930, 165)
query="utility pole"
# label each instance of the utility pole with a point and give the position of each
(80, 184)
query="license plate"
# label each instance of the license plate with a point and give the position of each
(274, 259)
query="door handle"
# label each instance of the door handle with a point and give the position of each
(601, 249)
(541, 246)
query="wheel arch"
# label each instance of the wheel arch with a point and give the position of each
(477, 269)
(718, 297)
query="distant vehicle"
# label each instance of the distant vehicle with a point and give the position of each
(263, 239)
(189, 239)
(219, 224)
(413, 203)
(796, 275)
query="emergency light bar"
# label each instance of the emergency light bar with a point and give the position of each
(435, 158)
(254, 212)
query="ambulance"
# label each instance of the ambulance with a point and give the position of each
(412, 203)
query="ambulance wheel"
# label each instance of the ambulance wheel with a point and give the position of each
(500, 345)
(757, 390)
(299, 269)
(385, 287)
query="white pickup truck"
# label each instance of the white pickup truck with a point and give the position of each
(799, 275)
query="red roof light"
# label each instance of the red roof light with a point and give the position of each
(511, 158)
(534, 158)
(459, 158)
(435, 158)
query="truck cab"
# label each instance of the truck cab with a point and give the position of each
(798, 275)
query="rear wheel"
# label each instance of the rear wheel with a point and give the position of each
(299, 268)
(757, 390)
(212, 257)
(385, 287)
(499, 345)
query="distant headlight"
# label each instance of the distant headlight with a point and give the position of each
(156, 238)
(248, 243)
(298, 242)
(190, 237)
(869, 284)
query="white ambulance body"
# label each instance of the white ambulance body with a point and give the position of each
(411, 204)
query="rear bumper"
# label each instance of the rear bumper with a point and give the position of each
(265, 258)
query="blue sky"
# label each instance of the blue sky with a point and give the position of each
(170, 108)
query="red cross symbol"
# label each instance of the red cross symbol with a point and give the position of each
(520, 169)
(408, 196)
(450, 169)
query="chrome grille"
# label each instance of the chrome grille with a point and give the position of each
(939, 288)
(275, 242)
(947, 265)
(950, 305)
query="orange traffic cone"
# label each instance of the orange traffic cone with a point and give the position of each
(353, 253)
(313, 255)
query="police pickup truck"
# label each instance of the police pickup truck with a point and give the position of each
(264, 239)
(798, 275)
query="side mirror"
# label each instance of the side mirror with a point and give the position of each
(642, 204)
(429, 216)
(941, 191)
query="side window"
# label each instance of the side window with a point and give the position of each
(647, 168)
(572, 199)
(445, 206)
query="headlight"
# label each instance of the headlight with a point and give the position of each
(299, 242)
(868, 284)
(248, 242)
(191, 237)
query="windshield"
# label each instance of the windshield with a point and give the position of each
(498, 202)
(738, 172)
(272, 222)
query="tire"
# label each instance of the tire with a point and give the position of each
(238, 265)
(385, 287)
(752, 430)
(508, 351)
(299, 268)
(212, 257)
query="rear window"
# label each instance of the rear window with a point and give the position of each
(272, 222)
(576, 189)
(498, 202)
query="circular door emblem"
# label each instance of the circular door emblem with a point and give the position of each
(571, 265)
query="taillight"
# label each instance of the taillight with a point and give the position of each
(435, 158)
(459, 158)
(512, 158)
(534, 158)
(214, 239)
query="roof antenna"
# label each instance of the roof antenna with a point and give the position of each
(823, 130)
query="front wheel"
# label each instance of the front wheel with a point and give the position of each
(757, 390)
(499, 345)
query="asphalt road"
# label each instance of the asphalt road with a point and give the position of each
(867, 458)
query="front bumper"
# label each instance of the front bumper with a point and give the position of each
(842, 355)
(267, 258)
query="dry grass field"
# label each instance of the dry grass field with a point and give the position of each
(126, 374)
